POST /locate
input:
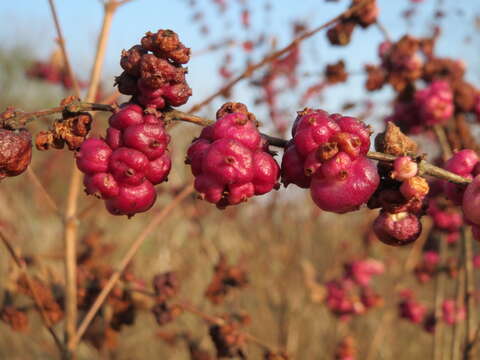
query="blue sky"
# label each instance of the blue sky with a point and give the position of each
(29, 23)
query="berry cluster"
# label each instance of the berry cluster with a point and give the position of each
(401, 197)
(123, 167)
(352, 294)
(153, 71)
(327, 155)
(341, 33)
(230, 160)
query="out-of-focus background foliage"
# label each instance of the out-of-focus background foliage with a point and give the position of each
(279, 237)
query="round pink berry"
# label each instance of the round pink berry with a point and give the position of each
(132, 199)
(101, 185)
(93, 156)
(128, 166)
(152, 140)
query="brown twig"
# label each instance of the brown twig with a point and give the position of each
(458, 327)
(470, 348)
(61, 42)
(275, 55)
(438, 338)
(154, 222)
(23, 268)
(443, 141)
(42, 190)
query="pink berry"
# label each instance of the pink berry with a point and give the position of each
(128, 166)
(404, 168)
(462, 162)
(195, 155)
(349, 192)
(114, 138)
(356, 127)
(129, 114)
(311, 164)
(132, 199)
(397, 229)
(237, 126)
(336, 167)
(93, 156)
(152, 140)
(265, 172)
(208, 188)
(471, 201)
(292, 169)
(229, 162)
(240, 193)
(158, 169)
(101, 184)
(435, 103)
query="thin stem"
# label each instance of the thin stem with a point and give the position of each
(134, 247)
(443, 141)
(61, 42)
(275, 55)
(36, 298)
(458, 327)
(71, 221)
(438, 338)
(424, 168)
(470, 348)
(38, 184)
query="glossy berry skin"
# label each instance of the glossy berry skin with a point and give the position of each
(462, 163)
(471, 201)
(128, 115)
(293, 170)
(101, 184)
(93, 156)
(347, 193)
(230, 161)
(132, 199)
(128, 166)
(157, 170)
(397, 229)
(149, 139)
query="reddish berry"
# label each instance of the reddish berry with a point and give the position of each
(158, 169)
(132, 199)
(93, 156)
(349, 192)
(397, 229)
(128, 166)
(404, 168)
(15, 152)
(152, 140)
(128, 115)
(293, 169)
(101, 184)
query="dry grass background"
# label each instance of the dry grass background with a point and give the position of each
(275, 238)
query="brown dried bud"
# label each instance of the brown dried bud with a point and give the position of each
(270, 355)
(166, 285)
(327, 151)
(227, 338)
(392, 141)
(335, 73)
(341, 33)
(130, 60)
(367, 14)
(376, 77)
(15, 152)
(127, 84)
(165, 313)
(234, 107)
(15, 318)
(464, 95)
(225, 278)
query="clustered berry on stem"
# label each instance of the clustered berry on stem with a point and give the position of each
(230, 160)
(123, 167)
(327, 155)
(15, 151)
